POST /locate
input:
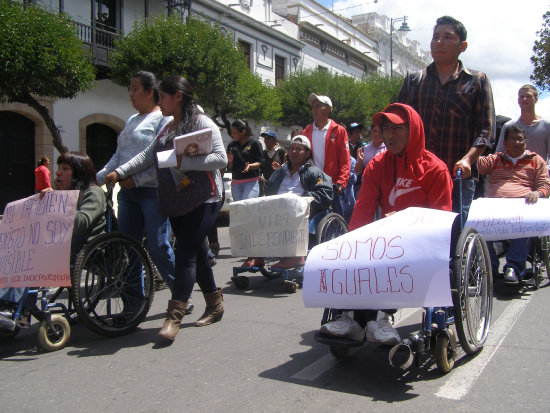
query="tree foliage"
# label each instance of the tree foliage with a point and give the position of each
(541, 56)
(353, 100)
(203, 54)
(40, 55)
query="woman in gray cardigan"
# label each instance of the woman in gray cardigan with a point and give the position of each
(190, 195)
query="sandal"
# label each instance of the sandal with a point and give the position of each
(289, 262)
(215, 248)
(253, 262)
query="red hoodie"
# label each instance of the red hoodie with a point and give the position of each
(417, 178)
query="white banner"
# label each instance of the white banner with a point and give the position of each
(396, 262)
(509, 218)
(35, 240)
(271, 226)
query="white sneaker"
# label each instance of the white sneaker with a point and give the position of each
(344, 326)
(381, 331)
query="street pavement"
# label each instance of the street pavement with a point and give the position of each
(262, 357)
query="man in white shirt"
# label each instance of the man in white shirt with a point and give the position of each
(329, 146)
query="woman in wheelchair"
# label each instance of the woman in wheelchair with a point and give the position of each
(514, 173)
(301, 177)
(75, 171)
(405, 175)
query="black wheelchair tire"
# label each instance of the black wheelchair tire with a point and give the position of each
(101, 284)
(471, 282)
(543, 249)
(331, 226)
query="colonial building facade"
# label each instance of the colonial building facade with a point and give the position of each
(278, 37)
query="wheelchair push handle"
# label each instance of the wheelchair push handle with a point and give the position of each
(459, 180)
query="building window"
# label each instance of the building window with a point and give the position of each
(246, 47)
(279, 69)
(106, 19)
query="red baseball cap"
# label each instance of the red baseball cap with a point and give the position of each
(394, 113)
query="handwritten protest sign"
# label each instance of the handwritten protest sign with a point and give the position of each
(509, 218)
(271, 226)
(396, 262)
(35, 240)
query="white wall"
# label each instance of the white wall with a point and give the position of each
(106, 98)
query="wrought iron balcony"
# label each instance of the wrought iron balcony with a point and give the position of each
(101, 42)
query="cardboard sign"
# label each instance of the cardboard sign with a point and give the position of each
(271, 226)
(509, 218)
(396, 262)
(35, 240)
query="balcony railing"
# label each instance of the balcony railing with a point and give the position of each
(101, 42)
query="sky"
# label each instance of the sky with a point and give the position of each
(500, 37)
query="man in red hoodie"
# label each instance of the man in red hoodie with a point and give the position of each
(329, 147)
(406, 175)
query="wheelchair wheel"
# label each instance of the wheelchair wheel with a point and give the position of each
(543, 250)
(52, 339)
(339, 352)
(445, 351)
(113, 284)
(331, 226)
(472, 285)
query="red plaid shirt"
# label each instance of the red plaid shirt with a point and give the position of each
(456, 116)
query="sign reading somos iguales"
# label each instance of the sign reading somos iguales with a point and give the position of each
(35, 240)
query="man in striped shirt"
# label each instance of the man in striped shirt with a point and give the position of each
(515, 173)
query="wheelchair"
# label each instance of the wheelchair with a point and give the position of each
(537, 261)
(323, 227)
(112, 288)
(472, 294)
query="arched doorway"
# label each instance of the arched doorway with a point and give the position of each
(100, 143)
(16, 157)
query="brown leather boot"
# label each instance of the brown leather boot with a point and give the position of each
(174, 314)
(214, 309)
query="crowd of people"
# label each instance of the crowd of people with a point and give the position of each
(443, 121)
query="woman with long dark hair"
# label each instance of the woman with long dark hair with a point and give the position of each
(190, 195)
(137, 200)
(245, 156)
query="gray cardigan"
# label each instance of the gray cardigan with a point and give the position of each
(213, 162)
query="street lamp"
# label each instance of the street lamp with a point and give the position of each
(404, 28)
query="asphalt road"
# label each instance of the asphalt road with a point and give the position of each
(262, 357)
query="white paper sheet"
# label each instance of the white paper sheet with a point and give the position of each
(509, 218)
(167, 159)
(271, 226)
(396, 262)
(35, 240)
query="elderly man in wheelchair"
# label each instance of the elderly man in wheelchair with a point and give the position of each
(515, 173)
(301, 177)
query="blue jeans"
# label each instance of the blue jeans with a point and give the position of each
(338, 204)
(245, 190)
(138, 215)
(468, 190)
(192, 252)
(516, 256)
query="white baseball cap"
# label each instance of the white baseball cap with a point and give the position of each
(301, 140)
(323, 99)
